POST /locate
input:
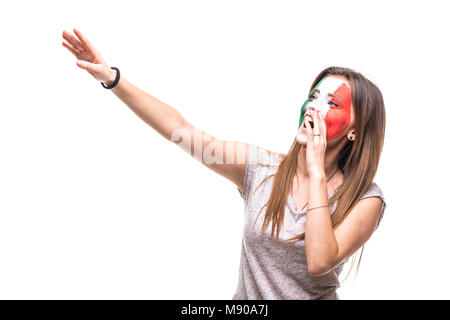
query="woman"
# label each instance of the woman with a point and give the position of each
(307, 211)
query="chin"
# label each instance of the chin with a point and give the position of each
(301, 138)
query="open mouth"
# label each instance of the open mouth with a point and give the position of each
(311, 123)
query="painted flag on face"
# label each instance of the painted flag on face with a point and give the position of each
(333, 98)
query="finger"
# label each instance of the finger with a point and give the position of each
(323, 126)
(84, 40)
(73, 41)
(316, 122)
(309, 131)
(75, 53)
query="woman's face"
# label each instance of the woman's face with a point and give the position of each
(332, 96)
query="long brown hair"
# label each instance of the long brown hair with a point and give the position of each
(358, 159)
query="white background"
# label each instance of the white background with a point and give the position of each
(94, 204)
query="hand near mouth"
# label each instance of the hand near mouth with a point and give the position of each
(302, 137)
(309, 119)
(316, 144)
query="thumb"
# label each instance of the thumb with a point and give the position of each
(87, 65)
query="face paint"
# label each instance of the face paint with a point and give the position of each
(333, 98)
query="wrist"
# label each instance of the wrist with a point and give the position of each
(318, 174)
(111, 77)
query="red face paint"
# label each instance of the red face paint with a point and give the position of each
(338, 118)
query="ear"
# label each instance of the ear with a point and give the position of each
(351, 135)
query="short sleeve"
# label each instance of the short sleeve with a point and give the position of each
(375, 191)
(249, 171)
(256, 167)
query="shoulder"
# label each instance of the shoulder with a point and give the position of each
(374, 191)
(260, 156)
(260, 163)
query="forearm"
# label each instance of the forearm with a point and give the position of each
(157, 114)
(320, 242)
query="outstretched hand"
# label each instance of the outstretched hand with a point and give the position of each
(88, 57)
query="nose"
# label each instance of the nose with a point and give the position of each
(310, 109)
(315, 108)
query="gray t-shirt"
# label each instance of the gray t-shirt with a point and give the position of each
(271, 269)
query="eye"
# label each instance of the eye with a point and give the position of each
(333, 103)
(313, 96)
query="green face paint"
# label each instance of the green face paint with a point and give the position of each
(302, 112)
(303, 109)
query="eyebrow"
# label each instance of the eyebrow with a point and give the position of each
(330, 94)
(333, 95)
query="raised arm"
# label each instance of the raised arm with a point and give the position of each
(226, 158)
